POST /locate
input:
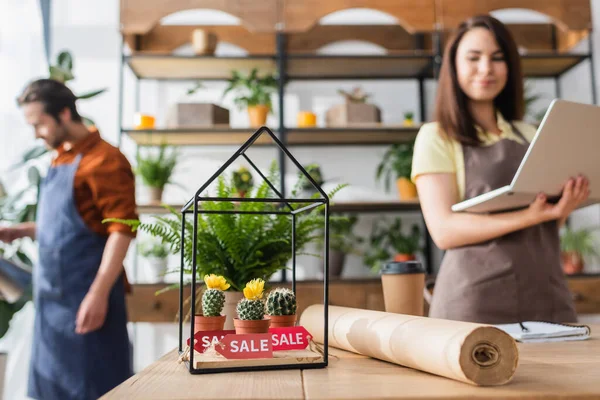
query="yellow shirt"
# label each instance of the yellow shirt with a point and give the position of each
(433, 153)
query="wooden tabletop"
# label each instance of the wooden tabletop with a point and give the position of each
(565, 370)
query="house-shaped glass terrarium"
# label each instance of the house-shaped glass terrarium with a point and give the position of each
(236, 242)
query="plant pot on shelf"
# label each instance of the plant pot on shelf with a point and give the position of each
(336, 263)
(155, 195)
(157, 267)
(401, 257)
(572, 262)
(282, 321)
(229, 309)
(204, 324)
(243, 326)
(258, 115)
(203, 42)
(406, 189)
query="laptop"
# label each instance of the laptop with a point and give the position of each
(566, 144)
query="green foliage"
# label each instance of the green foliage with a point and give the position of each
(251, 309)
(62, 71)
(342, 237)
(213, 301)
(314, 170)
(281, 301)
(239, 247)
(197, 86)
(251, 90)
(579, 241)
(156, 169)
(387, 236)
(409, 115)
(397, 160)
(243, 180)
(154, 249)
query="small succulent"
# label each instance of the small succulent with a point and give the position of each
(252, 307)
(357, 95)
(213, 298)
(243, 181)
(281, 301)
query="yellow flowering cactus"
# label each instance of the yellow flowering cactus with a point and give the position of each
(252, 306)
(213, 298)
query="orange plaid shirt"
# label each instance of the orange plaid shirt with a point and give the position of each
(104, 184)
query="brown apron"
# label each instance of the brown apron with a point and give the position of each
(516, 277)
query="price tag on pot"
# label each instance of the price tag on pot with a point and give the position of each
(290, 338)
(205, 338)
(246, 346)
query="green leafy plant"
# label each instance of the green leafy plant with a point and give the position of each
(239, 247)
(314, 170)
(281, 301)
(251, 90)
(156, 169)
(409, 115)
(357, 95)
(386, 238)
(154, 249)
(243, 180)
(62, 71)
(397, 161)
(579, 241)
(342, 237)
(197, 86)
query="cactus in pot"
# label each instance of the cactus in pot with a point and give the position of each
(281, 308)
(251, 310)
(213, 300)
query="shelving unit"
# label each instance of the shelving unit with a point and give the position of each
(282, 36)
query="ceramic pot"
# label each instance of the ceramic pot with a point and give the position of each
(572, 263)
(243, 326)
(404, 257)
(229, 309)
(155, 195)
(157, 268)
(406, 189)
(204, 43)
(258, 115)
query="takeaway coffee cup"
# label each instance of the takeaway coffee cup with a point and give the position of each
(403, 284)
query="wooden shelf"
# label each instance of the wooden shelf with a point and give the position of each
(153, 66)
(550, 65)
(362, 135)
(359, 67)
(340, 207)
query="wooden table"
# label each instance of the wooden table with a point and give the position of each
(564, 370)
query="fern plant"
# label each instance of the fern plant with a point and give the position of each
(156, 170)
(239, 247)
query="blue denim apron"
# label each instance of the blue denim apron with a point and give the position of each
(64, 364)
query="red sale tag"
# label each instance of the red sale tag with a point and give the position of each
(205, 338)
(246, 346)
(292, 338)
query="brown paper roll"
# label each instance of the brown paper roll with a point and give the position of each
(472, 353)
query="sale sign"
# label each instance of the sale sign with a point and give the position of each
(203, 339)
(245, 346)
(292, 338)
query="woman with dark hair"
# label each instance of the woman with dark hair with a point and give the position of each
(500, 267)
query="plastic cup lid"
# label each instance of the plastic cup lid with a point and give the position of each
(403, 267)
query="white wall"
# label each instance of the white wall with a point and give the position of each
(90, 30)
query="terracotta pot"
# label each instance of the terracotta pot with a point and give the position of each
(251, 326)
(229, 309)
(155, 195)
(258, 115)
(203, 324)
(203, 42)
(306, 119)
(572, 263)
(406, 189)
(404, 257)
(282, 321)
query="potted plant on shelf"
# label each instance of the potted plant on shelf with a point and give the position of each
(253, 92)
(408, 119)
(251, 310)
(156, 171)
(342, 241)
(281, 308)
(397, 161)
(239, 247)
(156, 254)
(213, 301)
(355, 110)
(389, 243)
(242, 181)
(574, 246)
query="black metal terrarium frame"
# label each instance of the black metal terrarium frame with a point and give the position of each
(193, 206)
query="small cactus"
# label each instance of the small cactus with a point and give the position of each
(213, 298)
(281, 301)
(252, 306)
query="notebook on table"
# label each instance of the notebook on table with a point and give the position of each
(566, 144)
(536, 331)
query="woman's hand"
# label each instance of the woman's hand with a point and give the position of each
(575, 192)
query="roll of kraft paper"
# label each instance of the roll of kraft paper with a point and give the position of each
(473, 353)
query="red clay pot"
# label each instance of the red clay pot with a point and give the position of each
(243, 326)
(203, 324)
(282, 321)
